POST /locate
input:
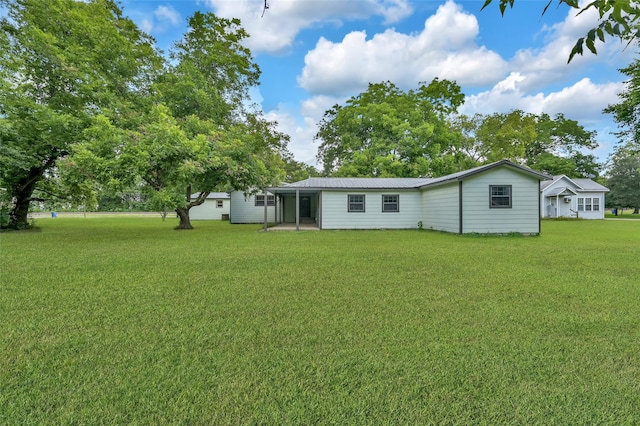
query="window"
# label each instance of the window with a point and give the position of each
(390, 203)
(500, 196)
(219, 204)
(589, 204)
(356, 203)
(271, 200)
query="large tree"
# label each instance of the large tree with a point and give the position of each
(553, 145)
(624, 180)
(627, 112)
(61, 62)
(385, 131)
(200, 136)
(618, 18)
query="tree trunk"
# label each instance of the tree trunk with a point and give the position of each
(636, 210)
(185, 221)
(18, 215)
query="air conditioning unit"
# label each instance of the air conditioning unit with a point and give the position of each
(567, 199)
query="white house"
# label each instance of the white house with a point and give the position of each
(215, 207)
(501, 197)
(568, 197)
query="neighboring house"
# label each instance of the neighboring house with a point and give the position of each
(501, 197)
(567, 197)
(215, 207)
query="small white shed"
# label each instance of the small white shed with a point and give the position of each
(215, 207)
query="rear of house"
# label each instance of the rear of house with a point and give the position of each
(501, 197)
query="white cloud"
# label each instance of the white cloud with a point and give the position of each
(445, 48)
(276, 31)
(167, 13)
(302, 125)
(582, 101)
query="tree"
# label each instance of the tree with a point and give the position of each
(627, 112)
(199, 136)
(552, 145)
(624, 180)
(385, 131)
(618, 18)
(61, 62)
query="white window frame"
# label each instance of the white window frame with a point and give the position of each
(389, 203)
(493, 197)
(352, 202)
(271, 200)
(219, 204)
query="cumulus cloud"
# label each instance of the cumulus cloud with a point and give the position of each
(445, 48)
(283, 21)
(301, 124)
(582, 101)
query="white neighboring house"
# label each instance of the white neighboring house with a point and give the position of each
(568, 197)
(215, 207)
(500, 197)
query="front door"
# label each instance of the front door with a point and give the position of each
(305, 206)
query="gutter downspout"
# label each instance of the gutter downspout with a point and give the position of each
(460, 206)
(265, 209)
(297, 209)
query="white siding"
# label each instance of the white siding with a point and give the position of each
(441, 208)
(336, 216)
(209, 211)
(589, 214)
(243, 209)
(522, 217)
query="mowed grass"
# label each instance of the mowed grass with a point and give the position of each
(126, 321)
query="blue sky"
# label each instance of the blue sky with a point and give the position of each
(316, 53)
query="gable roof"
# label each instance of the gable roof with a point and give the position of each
(580, 183)
(320, 183)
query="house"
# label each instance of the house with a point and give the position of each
(500, 197)
(215, 207)
(568, 197)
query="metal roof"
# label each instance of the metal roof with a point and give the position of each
(213, 195)
(581, 183)
(397, 183)
(357, 183)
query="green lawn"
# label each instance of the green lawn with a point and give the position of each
(126, 321)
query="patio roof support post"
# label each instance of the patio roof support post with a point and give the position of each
(297, 209)
(265, 209)
(557, 206)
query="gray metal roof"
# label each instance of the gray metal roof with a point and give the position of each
(398, 183)
(590, 185)
(213, 195)
(582, 184)
(559, 190)
(358, 183)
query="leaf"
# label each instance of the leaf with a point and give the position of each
(577, 49)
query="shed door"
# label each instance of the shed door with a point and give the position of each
(305, 206)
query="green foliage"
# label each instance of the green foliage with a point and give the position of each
(618, 18)
(624, 180)
(387, 132)
(119, 321)
(551, 145)
(627, 112)
(61, 62)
